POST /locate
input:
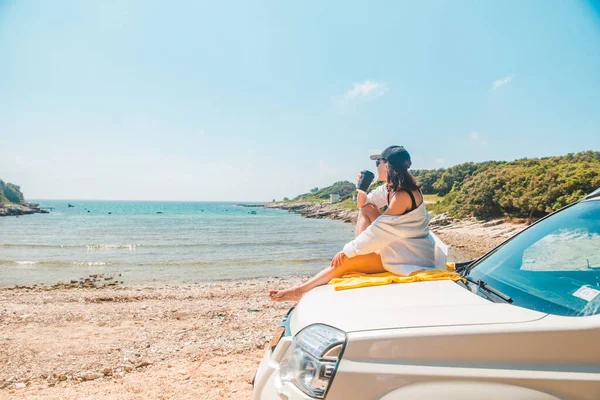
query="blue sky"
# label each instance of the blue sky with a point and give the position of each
(264, 99)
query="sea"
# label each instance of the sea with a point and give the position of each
(163, 242)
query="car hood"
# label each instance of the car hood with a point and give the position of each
(411, 305)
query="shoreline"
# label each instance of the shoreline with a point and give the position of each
(316, 210)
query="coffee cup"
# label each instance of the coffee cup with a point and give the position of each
(365, 181)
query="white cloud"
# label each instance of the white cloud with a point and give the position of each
(477, 138)
(368, 89)
(502, 82)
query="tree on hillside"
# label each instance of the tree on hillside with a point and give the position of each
(11, 193)
(442, 181)
(529, 188)
(427, 177)
(2, 198)
(343, 188)
(454, 176)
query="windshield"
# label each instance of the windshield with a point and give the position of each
(552, 267)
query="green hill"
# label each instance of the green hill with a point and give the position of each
(526, 188)
(11, 193)
(343, 188)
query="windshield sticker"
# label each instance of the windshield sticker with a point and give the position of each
(586, 293)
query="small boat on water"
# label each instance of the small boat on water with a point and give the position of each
(70, 205)
(252, 212)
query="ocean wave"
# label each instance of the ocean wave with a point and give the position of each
(162, 245)
(89, 263)
(179, 264)
(71, 246)
(280, 261)
(8, 245)
(55, 263)
(103, 263)
(111, 246)
(219, 262)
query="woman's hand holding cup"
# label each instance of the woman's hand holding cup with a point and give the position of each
(365, 178)
(359, 177)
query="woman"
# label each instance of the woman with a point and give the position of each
(397, 241)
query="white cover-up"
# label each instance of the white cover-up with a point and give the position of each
(403, 242)
(379, 196)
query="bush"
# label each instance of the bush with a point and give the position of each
(529, 188)
(427, 178)
(442, 181)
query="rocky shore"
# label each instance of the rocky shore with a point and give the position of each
(9, 209)
(317, 210)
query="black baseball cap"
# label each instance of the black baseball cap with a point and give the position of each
(394, 153)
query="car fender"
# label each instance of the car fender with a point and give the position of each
(469, 390)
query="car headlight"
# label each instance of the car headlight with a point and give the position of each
(312, 359)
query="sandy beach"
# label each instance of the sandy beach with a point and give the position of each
(470, 238)
(201, 341)
(198, 341)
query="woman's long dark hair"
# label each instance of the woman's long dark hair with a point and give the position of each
(398, 176)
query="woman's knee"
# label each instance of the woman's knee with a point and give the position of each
(370, 211)
(343, 265)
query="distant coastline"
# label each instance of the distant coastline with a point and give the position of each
(13, 203)
(317, 210)
(8, 210)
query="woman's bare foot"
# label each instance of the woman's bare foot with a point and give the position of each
(285, 295)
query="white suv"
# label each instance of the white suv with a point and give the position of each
(525, 325)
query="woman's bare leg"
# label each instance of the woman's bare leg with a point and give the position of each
(366, 215)
(366, 264)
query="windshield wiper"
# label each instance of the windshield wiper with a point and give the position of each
(481, 285)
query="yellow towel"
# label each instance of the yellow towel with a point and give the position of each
(356, 280)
